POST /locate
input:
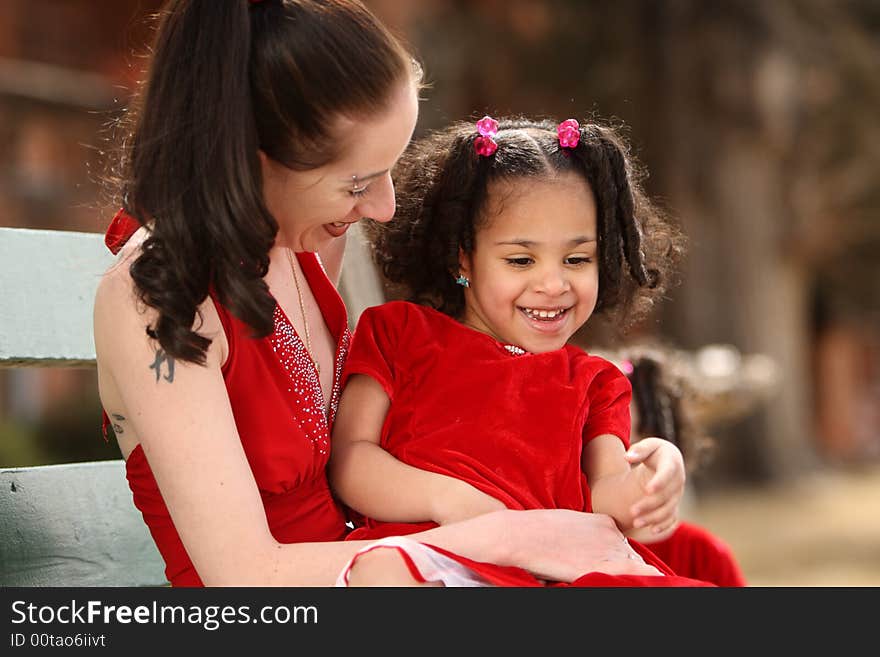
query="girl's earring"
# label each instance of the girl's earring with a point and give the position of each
(463, 281)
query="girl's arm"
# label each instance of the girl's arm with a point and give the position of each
(640, 488)
(373, 482)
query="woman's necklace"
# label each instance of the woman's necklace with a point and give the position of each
(302, 308)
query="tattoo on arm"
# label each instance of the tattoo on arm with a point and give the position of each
(117, 423)
(162, 357)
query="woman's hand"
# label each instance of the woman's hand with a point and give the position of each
(659, 469)
(562, 545)
(458, 500)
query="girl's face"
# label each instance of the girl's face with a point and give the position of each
(534, 276)
(316, 206)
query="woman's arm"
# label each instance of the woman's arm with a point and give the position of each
(373, 482)
(180, 414)
(640, 488)
(553, 544)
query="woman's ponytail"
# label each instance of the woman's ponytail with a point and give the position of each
(227, 78)
(194, 177)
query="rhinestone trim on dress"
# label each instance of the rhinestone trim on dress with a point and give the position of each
(344, 345)
(306, 385)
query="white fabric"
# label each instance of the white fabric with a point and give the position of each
(433, 566)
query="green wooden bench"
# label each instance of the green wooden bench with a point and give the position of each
(76, 524)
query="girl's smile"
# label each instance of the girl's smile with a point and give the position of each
(552, 321)
(543, 315)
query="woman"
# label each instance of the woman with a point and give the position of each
(263, 131)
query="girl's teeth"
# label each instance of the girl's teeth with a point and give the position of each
(543, 314)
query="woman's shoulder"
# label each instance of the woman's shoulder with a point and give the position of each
(121, 316)
(116, 292)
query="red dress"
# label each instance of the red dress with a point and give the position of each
(278, 406)
(694, 552)
(511, 424)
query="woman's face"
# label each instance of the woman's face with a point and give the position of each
(316, 206)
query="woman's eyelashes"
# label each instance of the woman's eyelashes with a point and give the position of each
(359, 192)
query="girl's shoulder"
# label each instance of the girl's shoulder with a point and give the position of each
(595, 364)
(407, 327)
(403, 313)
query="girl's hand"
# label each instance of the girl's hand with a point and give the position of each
(459, 500)
(661, 476)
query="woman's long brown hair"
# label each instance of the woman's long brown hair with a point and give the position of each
(228, 78)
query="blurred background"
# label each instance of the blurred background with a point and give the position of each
(757, 123)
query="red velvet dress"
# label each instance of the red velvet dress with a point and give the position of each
(692, 551)
(278, 406)
(465, 405)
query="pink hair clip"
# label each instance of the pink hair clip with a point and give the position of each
(627, 367)
(484, 144)
(569, 132)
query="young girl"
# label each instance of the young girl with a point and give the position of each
(510, 235)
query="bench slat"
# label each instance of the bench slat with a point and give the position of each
(74, 525)
(47, 290)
